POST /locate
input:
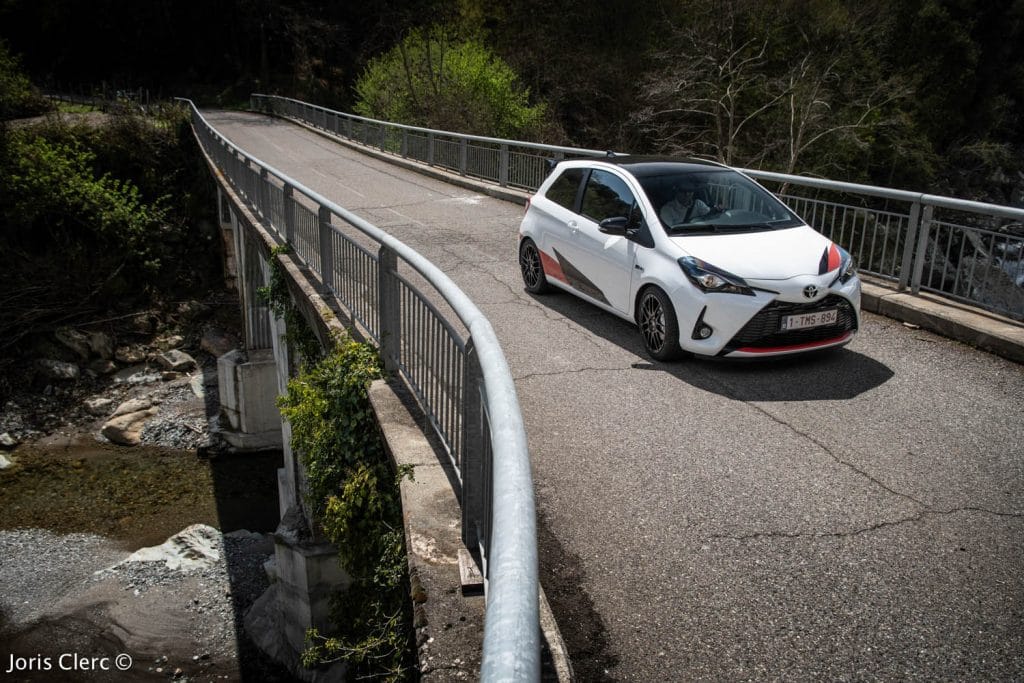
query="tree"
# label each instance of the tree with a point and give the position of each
(708, 85)
(18, 98)
(429, 79)
(765, 86)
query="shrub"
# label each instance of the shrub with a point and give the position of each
(354, 495)
(18, 98)
(426, 80)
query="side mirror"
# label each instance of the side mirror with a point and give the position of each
(616, 225)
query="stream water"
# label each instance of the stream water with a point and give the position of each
(138, 496)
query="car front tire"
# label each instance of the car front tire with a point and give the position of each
(532, 268)
(658, 325)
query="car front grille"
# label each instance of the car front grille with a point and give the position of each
(763, 330)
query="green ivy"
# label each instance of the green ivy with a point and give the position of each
(354, 494)
(298, 333)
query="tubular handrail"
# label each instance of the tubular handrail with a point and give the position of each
(890, 193)
(463, 136)
(968, 257)
(511, 648)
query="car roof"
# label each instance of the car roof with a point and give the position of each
(642, 166)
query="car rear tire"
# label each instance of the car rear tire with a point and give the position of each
(532, 268)
(658, 326)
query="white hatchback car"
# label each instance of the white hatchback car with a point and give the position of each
(702, 258)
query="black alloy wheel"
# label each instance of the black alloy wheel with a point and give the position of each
(658, 327)
(532, 268)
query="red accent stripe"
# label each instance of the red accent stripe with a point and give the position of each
(796, 347)
(833, 258)
(552, 267)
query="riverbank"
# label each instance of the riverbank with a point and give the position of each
(79, 510)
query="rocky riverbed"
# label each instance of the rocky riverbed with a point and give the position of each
(132, 541)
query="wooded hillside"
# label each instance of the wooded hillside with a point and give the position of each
(920, 94)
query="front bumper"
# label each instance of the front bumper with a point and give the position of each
(751, 327)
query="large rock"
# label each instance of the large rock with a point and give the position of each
(217, 341)
(99, 406)
(74, 340)
(57, 369)
(196, 547)
(130, 355)
(126, 429)
(101, 345)
(169, 342)
(103, 366)
(133, 405)
(176, 361)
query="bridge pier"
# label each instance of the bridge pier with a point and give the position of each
(306, 571)
(246, 378)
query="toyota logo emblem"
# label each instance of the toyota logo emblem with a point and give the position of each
(810, 291)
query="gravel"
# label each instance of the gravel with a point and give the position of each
(185, 622)
(38, 568)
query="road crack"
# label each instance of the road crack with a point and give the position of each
(920, 517)
(574, 371)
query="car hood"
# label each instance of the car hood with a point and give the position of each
(765, 255)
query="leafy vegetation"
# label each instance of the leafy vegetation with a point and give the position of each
(18, 97)
(430, 80)
(354, 494)
(88, 227)
(298, 333)
(920, 94)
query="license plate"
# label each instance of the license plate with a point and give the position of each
(805, 320)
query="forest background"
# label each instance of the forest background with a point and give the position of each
(917, 94)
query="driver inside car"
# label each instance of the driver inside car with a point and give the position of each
(683, 207)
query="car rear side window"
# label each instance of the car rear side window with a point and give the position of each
(563, 190)
(606, 196)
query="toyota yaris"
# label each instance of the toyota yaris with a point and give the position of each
(702, 258)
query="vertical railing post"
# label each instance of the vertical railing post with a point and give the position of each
(405, 143)
(430, 149)
(289, 214)
(471, 460)
(922, 247)
(263, 193)
(326, 250)
(913, 225)
(383, 137)
(390, 308)
(503, 164)
(463, 156)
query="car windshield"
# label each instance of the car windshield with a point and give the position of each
(718, 200)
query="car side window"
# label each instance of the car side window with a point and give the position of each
(607, 196)
(563, 191)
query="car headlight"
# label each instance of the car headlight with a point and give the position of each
(707, 278)
(847, 267)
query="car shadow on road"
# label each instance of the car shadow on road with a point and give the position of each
(832, 375)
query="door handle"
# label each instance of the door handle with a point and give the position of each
(574, 226)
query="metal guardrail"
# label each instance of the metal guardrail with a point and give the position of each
(438, 340)
(967, 251)
(510, 163)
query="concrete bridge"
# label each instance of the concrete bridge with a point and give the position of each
(858, 515)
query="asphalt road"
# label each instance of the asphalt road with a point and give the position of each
(857, 516)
